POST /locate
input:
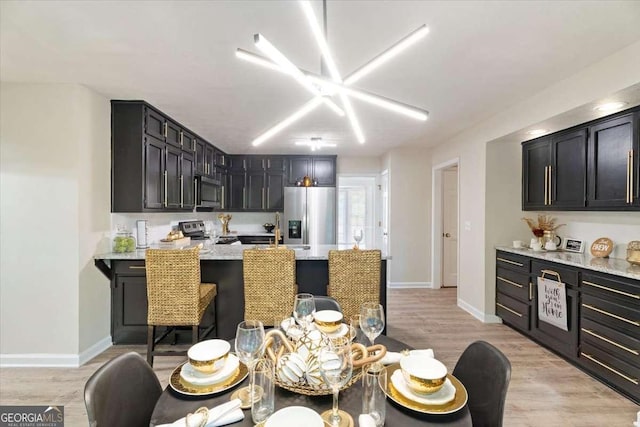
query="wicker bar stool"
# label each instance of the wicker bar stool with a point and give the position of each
(354, 278)
(175, 295)
(269, 283)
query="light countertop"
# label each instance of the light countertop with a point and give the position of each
(234, 252)
(616, 266)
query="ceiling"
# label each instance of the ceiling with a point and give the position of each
(479, 59)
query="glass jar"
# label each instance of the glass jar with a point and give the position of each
(124, 242)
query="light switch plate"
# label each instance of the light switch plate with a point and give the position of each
(467, 225)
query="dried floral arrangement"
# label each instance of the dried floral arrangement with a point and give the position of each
(545, 223)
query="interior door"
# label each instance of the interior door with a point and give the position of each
(450, 227)
(384, 224)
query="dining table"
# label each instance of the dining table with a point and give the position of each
(172, 405)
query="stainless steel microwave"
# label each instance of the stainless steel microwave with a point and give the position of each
(209, 192)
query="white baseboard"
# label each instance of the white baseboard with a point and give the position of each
(49, 360)
(484, 318)
(94, 350)
(408, 285)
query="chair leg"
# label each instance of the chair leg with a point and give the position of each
(195, 330)
(151, 332)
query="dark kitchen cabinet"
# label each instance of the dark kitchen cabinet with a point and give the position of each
(236, 163)
(276, 164)
(154, 160)
(319, 168)
(275, 191)
(593, 166)
(613, 163)
(220, 159)
(255, 192)
(236, 193)
(255, 163)
(209, 160)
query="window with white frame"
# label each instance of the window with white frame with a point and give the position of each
(356, 210)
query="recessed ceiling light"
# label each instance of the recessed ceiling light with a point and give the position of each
(537, 132)
(610, 106)
(316, 143)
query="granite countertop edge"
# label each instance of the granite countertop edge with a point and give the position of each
(614, 266)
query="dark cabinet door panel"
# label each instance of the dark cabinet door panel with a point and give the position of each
(236, 197)
(324, 171)
(298, 168)
(200, 157)
(609, 147)
(565, 342)
(569, 173)
(255, 163)
(255, 191)
(173, 134)
(237, 163)
(154, 124)
(276, 164)
(188, 141)
(275, 191)
(513, 311)
(536, 158)
(173, 162)
(188, 182)
(134, 300)
(154, 173)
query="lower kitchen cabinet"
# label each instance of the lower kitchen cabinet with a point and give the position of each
(603, 317)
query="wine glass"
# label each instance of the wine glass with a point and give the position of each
(304, 307)
(336, 368)
(357, 236)
(371, 320)
(249, 348)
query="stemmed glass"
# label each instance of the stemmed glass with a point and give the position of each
(336, 368)
(357, 236)
(304, 307)
(249, 348)
(371, 320)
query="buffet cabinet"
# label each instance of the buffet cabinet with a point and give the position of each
(603, 317)
(594, 166)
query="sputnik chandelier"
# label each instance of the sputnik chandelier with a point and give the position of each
(326, 90)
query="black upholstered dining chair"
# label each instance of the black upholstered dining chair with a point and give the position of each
(485, 372)
(326, 303)
(122, 392)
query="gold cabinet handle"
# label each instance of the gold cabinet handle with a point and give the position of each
(546, 187)
(550, 187)
(630, 176)
(268, 163)
(530, 291)
(628, 169)
(195, 192)
(615, 316)
(137, 267)
(181, 191)
(222, 201)
(508, 309)
(193, 144)
(244, 197)
(263, 199)
(517, 285)
(164, 130)
(590, 332)
(165, 188)
(510, 262)
(627, 294)
(181, 138)
(268, 197)
(615, 371)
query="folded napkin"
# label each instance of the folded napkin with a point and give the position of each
(221, 415)
(394, 357)
(366, 420)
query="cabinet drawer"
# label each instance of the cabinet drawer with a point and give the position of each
(568, 275)
(612, 370)
(513, 311)
(613, 342)
(513, 261)
(130, 268)
(565, 342)
(514, 284)
(626, 290)
(611, 314)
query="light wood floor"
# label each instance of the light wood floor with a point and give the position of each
(544, 390)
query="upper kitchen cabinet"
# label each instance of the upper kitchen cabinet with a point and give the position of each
(613, 163)
(319, 168)
(593, 166)
(152, 160)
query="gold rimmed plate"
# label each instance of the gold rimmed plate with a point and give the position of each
(182, 386)
(455, 405)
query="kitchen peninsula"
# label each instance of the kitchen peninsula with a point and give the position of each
(222, 264)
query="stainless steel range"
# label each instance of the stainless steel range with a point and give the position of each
(195, 230)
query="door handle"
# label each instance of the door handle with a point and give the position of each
(447, 235)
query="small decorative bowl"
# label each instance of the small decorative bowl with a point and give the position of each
(328, 321)
(424, 375)
(269, 227)
(209, 356)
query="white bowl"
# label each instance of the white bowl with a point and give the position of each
(208, 357)
(328, 321)
(295, 416)
(423, 374)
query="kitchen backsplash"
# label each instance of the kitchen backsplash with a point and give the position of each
(159, 224)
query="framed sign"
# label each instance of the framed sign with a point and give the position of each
(602, 247)
(573, 245)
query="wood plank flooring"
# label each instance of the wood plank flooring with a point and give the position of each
(544, 390)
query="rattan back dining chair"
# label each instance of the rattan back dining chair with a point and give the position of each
(326, 303)
(269, 284)
(122, 392)
(354, 278)
(485, 372)
(175, 296)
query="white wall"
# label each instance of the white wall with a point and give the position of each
(478, 186)
(53, 163)
(361, 165)
(409, 217)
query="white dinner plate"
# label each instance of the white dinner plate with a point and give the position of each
(445, 395)
(194, 377)
(295, 416)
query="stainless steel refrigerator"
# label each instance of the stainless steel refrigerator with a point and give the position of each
(310, 215)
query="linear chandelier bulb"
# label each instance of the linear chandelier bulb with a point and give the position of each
(297, 115)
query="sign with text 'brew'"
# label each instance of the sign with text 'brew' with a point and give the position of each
(552, 303)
